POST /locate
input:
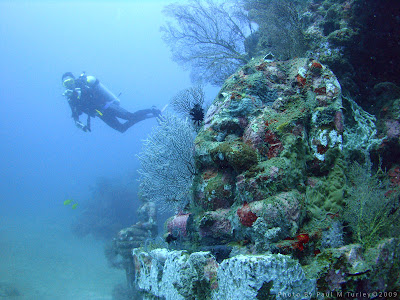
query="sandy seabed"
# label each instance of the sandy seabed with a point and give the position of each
(43, 260)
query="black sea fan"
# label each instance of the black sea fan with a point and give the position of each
(189, 103)
(197, 114)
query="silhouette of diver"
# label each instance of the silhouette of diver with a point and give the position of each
(87, 95)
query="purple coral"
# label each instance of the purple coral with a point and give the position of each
(393, 129)
(335, 279)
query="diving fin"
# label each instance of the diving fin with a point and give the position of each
(165, 106)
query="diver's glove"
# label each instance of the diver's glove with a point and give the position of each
(75, 92)
(68, 93)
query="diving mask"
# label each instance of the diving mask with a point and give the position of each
(69, 83)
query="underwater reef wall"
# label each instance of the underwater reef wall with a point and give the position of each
(267, 215)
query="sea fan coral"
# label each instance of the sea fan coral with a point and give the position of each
(167, 162)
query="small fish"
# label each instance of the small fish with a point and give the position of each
(67, 202)
(74, 206)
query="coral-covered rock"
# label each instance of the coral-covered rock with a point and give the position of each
(392, 129)
(385, 262)
(178, 225)
(270, 122)
(178, 275)
(214, 190)
(283, 211)
(272, 101)
(233, 154)
(345, 270)
(215, 227)
(350, 268)
(246, 216)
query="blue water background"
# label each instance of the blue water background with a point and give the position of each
(44, 158)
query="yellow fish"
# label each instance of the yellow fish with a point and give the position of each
(67, 202)
(74, 205)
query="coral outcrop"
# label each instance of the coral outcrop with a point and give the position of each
(346, 272)
(178, 275)
(272, 125)
(272, 159)
(269, 195)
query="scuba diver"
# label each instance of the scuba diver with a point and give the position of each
(87, 95)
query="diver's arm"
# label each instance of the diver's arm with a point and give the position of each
(75, 116)
(73, 96)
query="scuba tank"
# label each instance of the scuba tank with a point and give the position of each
(99, 91)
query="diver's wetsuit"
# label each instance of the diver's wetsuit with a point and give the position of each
(91, 101)
(115, 111)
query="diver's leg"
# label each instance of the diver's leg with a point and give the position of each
(143, 114)
(113, 122)
(114, 111)
(135, 117)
